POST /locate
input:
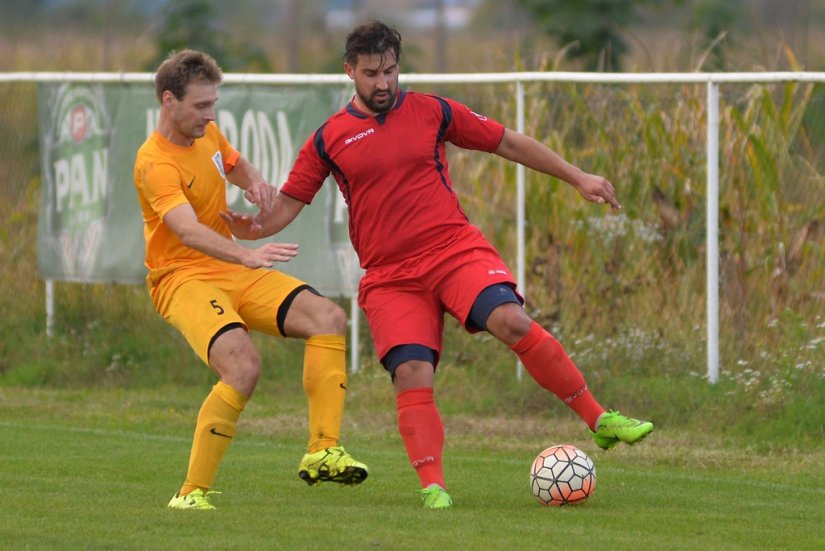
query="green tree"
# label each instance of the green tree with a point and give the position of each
(716, 20)
(593, 27)
(195, 24)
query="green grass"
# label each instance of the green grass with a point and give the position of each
(85, 469)
(95, 421)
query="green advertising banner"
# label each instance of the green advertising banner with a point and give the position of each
(90, 227)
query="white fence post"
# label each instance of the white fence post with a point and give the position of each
(49, 307)
(712, 240)
(355, 322)
(520, 216)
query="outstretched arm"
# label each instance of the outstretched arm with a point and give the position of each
(183, 221)
(256, 190)
(245, 226)
(531, 153)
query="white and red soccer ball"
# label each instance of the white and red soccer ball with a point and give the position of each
(562, 475)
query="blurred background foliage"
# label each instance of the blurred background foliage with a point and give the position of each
(625, 292)
(306, 36)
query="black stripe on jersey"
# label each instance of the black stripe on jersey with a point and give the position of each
(447, 111)
(321, 149)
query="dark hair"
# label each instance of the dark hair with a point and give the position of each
(181, 68)
(373, 37)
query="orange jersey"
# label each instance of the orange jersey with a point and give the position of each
(168, 175)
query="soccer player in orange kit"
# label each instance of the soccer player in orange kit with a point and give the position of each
(214, 290)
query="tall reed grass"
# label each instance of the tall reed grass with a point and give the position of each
(624, 291)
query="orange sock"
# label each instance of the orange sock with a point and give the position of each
(423, 433)
(325, 384)
(551, 367)
(213, 434)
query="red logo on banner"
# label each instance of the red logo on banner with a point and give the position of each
(78, 121)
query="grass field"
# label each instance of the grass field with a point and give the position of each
(93, 469)
(96, 421)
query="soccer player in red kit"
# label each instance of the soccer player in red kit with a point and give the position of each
(386, 150)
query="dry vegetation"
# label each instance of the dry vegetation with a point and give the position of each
(623, 291)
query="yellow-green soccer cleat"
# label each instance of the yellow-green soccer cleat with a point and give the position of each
(195, 500)
(435, 497)
(615, 427)
(332, 465)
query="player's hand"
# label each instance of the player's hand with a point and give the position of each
(261, 194)
(597, 189)
(265, 256)
(242, 225)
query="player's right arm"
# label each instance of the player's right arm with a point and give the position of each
(305, 179)
(248, 227)
(184, 223)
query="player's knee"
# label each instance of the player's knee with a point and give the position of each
(509, 323)
(331, 319)
(248, 373)
(519, 325)
(239, 367)
(312, 314)
(339, 320)
(413, 374)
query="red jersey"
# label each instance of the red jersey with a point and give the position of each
(392, 170)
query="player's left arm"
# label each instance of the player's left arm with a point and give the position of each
(531, 153)
(246, 226)
(256, 189)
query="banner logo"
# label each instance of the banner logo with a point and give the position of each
(78, 121)
(77, 174)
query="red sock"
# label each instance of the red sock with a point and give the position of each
(548, 363)
(420, 426)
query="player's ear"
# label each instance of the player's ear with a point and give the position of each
(168, 98)
(350, 70)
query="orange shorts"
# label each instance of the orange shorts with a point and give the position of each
(199, 303)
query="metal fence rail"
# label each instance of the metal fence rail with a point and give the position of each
(711, 80)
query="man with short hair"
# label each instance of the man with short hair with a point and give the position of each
(386, 150)
(214, 290)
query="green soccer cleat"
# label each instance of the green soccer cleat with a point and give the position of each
(435, 497)
(195, 500)
(333, 465)
(615, 427)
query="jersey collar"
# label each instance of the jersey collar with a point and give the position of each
(355, 112)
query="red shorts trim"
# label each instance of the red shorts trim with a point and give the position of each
(405, 302)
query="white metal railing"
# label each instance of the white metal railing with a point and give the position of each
(711, 80)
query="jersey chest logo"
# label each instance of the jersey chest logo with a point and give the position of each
(359, 136)
(217, 158)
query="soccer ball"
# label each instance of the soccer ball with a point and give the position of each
(562, 475)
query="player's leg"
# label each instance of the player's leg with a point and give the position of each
(543, 356)
(323, 323)
(204, 315)
(300, 312)
(478, 289)
(550, 366)
(235, 359)
(406, 323)
(419, 422)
